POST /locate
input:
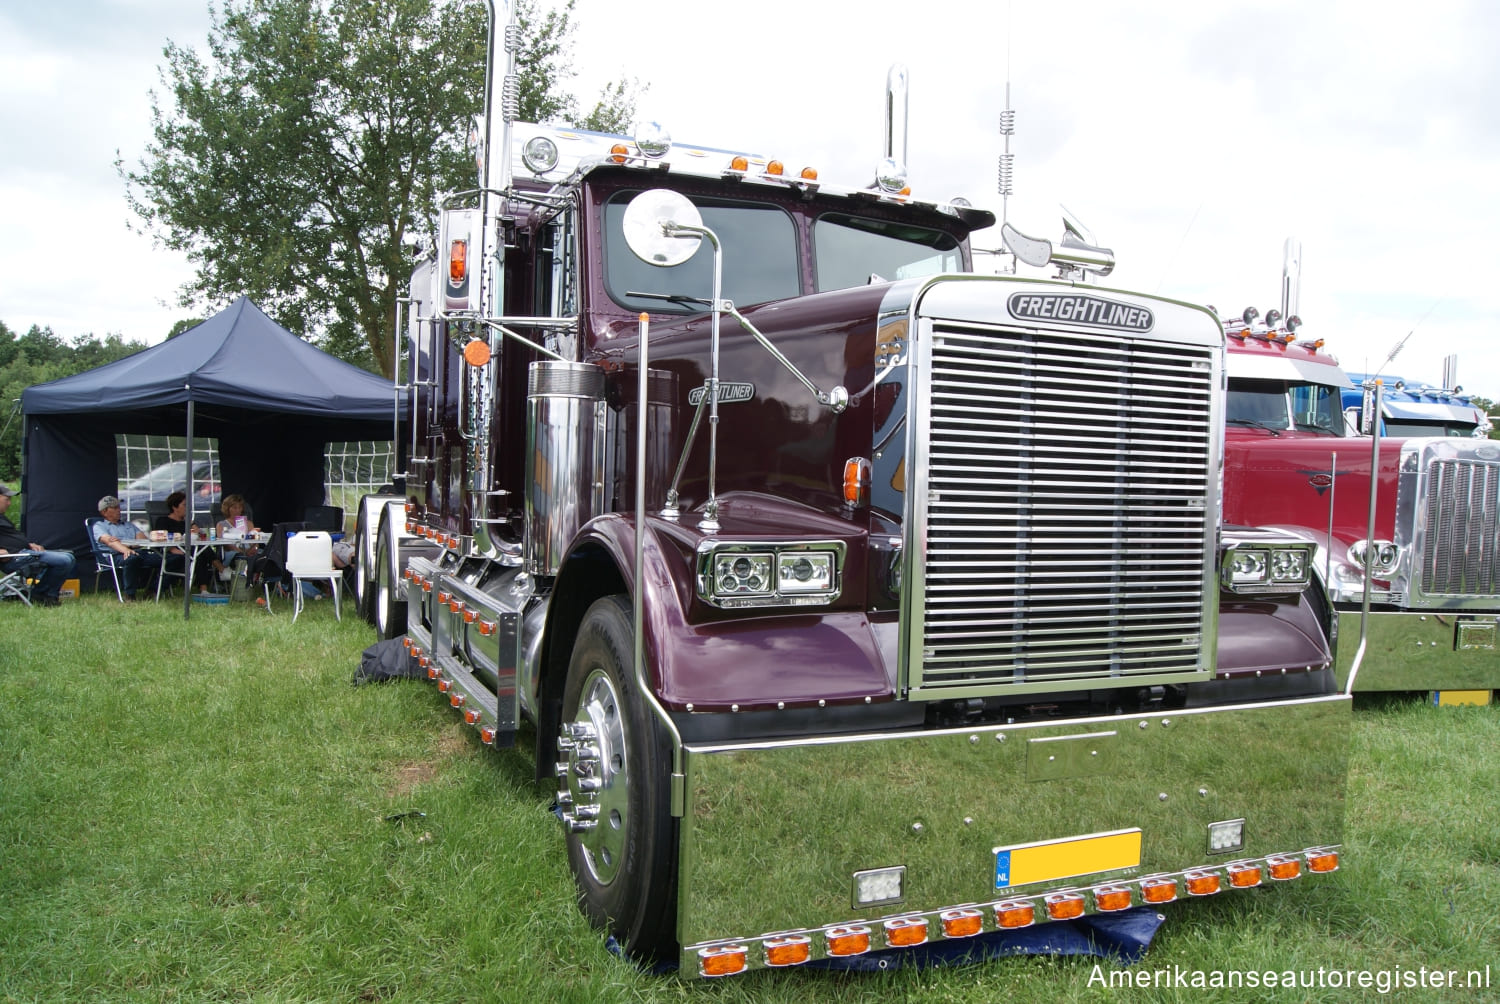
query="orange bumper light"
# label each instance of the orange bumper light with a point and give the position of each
(962, 923)
(788, 950)
(904, 932)
(1017, 913)
(1244, 874)
(1158, 890)
(1322, 861)
(1065, 905)
(1283, 867)
(1112, 898)
(1202, 883)
(852, 939)
(723, 961)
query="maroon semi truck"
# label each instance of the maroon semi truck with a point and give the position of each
(837, 631)
(1431, 559)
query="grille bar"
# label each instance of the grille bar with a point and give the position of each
(1459, 557)
(1066, 510)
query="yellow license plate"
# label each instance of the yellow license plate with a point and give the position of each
(1050, 860)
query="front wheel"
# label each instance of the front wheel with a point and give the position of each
(614, 772)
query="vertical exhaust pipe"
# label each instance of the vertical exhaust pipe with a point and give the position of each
(896, 107)
(1291, 277)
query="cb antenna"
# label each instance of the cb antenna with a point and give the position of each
(1007, 130)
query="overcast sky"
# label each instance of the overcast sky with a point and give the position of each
(1193, 138)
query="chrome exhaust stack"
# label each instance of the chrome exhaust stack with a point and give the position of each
(565, 450)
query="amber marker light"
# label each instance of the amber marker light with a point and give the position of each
(458, 261)
(725, 960)
(1111, 898)
(856, 482)
(1201, 883)
(619, 152)
(788, 950)
(905, 932)
(456, 699)
(487, 736)
(775, 168)
(1244, 874)
(1065, 905)
(472, 716)
(739, 163)
(1283, 867)
(486, 628)
(411, 507)
(848, 939)
(962, 923)
(1158, 890)
(432, 671)
(809, 174)
(470, 616)
(1322, 861)
(1016, 913)
(445, 685)
(406, 643)
(477, 352)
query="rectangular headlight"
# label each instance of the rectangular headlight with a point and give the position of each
(770, 574)
(1267, 568)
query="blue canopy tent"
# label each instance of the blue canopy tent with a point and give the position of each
(272, 400)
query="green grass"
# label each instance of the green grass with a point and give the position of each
(201, 811)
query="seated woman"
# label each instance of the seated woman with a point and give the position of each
(175, 521)
(236, 523)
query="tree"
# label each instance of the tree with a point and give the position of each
(300, 163)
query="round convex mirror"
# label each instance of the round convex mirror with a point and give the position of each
(646, 231)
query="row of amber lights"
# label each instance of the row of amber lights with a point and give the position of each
(433, 534)
(739, 164)
(452, 602)
(844, 940)
(1284, 337)
(445, 686)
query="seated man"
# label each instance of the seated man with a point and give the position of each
(16, 553)
(116, 534)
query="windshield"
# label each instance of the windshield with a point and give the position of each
(760, 259)
(1436, 427)
(1278, 404)
(853, 251)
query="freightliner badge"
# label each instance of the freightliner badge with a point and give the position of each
(1080, 308)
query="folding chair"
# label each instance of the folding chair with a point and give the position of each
(309, 556)
(13, 578)
(104, 558)
(165, 572)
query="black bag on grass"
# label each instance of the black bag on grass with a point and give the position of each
(386, 660)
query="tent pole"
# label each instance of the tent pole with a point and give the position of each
(187, 561)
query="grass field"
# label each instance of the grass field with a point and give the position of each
(208, 810)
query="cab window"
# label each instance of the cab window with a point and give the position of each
(854, 251)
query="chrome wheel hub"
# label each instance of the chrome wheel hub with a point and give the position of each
(592, 789)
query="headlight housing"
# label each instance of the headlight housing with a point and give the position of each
(1385, 557)
(770, 574)
(1267, 568)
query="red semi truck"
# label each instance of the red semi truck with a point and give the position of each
(837, 630)
(1432, 558)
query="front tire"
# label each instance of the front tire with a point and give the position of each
(614, 789)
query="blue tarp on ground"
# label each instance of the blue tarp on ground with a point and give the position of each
(272, 400)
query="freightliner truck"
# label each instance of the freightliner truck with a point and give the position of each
(837, 631)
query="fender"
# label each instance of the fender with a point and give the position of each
(747, 660)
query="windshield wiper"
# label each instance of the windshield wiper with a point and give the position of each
(672, 298)
(1255, 424)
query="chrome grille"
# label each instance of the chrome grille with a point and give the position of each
(1462, 535)
(1068, 529)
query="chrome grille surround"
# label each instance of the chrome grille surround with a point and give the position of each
(1449, 507)
(1064, 504)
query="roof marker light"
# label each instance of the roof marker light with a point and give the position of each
(619, 153)
(809, 174)
(739, 163)
(775, 168)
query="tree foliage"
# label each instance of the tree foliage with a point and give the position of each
(39, 356)
(300, 161)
